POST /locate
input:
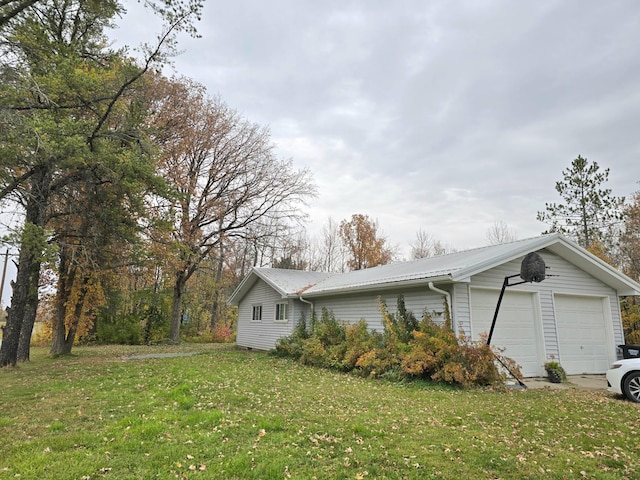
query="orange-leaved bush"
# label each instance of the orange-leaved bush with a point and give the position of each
(406, 349)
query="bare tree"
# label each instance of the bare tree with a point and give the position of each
(499, 233)
(226, 179)
(427, 246)
(327, 252)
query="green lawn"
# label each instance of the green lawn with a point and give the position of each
(226, 413)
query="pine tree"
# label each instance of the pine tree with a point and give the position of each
(589, 213)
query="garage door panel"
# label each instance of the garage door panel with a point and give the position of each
(582, 335)
(516, 326)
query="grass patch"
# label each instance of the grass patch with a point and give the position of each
(231, 414)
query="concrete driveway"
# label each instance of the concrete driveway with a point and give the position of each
(584, 382)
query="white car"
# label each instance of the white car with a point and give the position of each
(624, 378)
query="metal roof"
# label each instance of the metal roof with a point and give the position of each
(288, 283)
(454, 267)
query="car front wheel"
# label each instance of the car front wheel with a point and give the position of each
(631, 387)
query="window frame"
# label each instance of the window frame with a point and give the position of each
(257, 307)
(278, 312)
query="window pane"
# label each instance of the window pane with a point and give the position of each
(281, 311)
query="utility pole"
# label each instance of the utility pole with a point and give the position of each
(4, 273)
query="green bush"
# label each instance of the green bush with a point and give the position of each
(359, 341)
(406, 349)
(123, 329)
(398, 326)
(288, 347)
(329, 330)
(292, 345)
(313, 352)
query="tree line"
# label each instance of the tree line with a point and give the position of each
(146, 200)
(127, 179)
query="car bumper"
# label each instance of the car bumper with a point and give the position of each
(614, 380)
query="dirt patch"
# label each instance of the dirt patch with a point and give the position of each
(160, 355)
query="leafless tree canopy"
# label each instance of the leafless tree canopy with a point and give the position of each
(426, 245)
(499, 233)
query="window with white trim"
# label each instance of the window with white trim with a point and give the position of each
(256, 316)
(282, 312)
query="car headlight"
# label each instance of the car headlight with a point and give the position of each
(615, 365)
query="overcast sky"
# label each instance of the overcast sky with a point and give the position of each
(446, 116)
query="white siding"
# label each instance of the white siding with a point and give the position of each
(352, 308)
(264, 334)
(461, 308)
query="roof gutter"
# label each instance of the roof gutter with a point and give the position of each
(374, 287)
(447, 296)
(304, 300)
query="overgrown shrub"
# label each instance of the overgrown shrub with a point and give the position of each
(406, 349)
(359, 340)
(313, 352)
(378, 362)
(398, 326)
(329, 330)
(291, 346)
(221, 333)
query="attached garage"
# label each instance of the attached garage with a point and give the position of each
(573, 316)
(584, 339)
(518, 327)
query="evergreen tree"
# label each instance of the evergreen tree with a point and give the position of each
(589, 213)
(70, 117)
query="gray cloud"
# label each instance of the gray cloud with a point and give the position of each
(445, 116)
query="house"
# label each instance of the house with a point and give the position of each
(573, 316)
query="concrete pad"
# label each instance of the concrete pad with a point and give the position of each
(583, 382)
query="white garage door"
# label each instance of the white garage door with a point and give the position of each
(583, 339)
(517, 328)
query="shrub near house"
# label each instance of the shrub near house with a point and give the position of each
(407, 348)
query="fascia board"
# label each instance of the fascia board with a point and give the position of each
(244, 286)
(465, 274)
(248, 282)
(596, 267)
(375, 287)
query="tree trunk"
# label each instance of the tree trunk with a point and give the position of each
(24, 300)
(66, 334)
(65, 281)
(215, 307)
(176, 307)
(58, 333)
(16, 313)
(64, 337)
(29, 320)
